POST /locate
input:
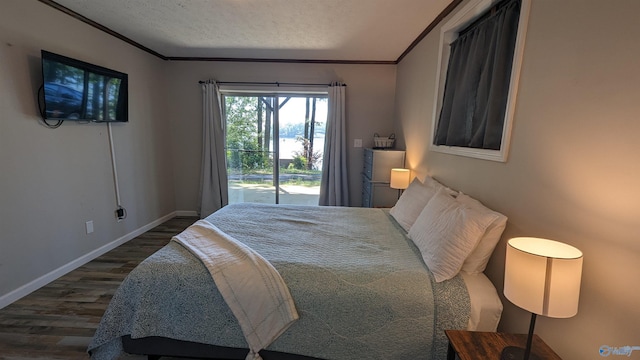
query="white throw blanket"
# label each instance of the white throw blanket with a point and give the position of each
(253, 289)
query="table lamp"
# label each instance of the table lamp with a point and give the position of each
(400, 179)
(543, 277)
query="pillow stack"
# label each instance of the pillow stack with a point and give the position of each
(452, 230)
(414, 199)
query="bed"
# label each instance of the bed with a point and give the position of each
(358, 278)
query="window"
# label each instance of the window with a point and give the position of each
(478, 79)
(274, 144)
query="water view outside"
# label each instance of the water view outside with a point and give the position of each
(289, 147)
(250, 149)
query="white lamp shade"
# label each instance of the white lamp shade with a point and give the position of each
(400, 178)
(543, 276)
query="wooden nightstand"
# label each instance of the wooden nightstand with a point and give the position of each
(475, 345)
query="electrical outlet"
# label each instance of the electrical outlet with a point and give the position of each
(89, 226)
(357, 143)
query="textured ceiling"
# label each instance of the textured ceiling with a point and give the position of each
(339, 30)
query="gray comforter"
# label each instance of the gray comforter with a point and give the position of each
(358, 283)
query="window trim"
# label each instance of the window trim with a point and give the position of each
(448, 33)
(252, 91)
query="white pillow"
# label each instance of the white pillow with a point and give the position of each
(477, 261)
(413, 200)
(446, 231)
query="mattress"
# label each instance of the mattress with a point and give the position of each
(359, 285)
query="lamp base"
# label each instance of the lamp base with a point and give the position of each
(516, 353)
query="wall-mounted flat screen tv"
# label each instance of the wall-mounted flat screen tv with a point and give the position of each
(76, 90)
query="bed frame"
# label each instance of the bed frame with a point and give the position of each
(155, 347)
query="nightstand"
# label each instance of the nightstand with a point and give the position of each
(476, 345)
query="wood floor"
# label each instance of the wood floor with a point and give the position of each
(58, 320)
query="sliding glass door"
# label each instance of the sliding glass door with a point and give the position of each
(274, 146)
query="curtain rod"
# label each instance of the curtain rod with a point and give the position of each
(491, 11)
(265, 83)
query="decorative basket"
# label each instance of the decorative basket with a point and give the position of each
(380, 142)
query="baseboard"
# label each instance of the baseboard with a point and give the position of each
(186, 213)
(36, 284)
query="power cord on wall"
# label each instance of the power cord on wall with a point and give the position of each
(42, 110)
(121, 213)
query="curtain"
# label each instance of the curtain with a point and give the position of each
(334, 189)
(213, 182)
(477, 83)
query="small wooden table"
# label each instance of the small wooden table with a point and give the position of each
(476, 345)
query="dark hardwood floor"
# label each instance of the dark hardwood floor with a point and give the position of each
(58, 320)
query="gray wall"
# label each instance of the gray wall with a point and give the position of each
(573, 168)
(370, 101)
(53, 181)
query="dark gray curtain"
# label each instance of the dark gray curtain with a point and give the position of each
(477, 83)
